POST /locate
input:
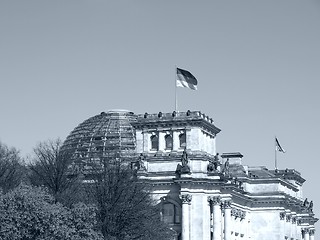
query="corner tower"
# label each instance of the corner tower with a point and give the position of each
(162, 138)
(173, 132)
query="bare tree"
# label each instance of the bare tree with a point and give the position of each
(12, 169)
(125, 207)
(50, 168)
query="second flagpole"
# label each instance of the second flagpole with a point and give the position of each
(175, 89)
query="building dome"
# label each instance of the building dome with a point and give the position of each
(106, 137)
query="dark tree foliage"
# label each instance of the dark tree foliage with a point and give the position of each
(12, 170)
(50, 167)
(125, 209)
(30, 213)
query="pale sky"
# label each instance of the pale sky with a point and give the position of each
(257, 64)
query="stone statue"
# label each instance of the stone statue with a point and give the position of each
(139, 165)
(306, 203)
(184, 158)
(310, 207)
(183, 168)
(213, 164)
(226, 167)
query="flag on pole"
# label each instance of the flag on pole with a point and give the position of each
(278, 147)
(186, 79)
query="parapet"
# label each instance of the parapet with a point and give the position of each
(189, 118)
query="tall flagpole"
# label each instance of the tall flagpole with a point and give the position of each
(175, 89)
(275, 153)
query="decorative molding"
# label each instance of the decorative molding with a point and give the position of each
(186, 198)
(237, 213)
(282, 215)
(294, 220)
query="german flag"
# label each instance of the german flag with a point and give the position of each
(186, 79)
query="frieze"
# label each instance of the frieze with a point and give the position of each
(186, 198)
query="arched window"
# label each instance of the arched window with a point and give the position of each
(171, 213)
(168, 139)
(182, 140)
(154, 142)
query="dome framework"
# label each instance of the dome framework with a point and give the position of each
(102, 139)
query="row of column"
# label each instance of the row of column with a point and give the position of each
(215, 217)
(308, 234)
(216, 206)
(291, 221)
(161, 140)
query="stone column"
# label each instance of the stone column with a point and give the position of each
(227, 220)
(146, 139)
(311, 233)
(162, 143)
(216, 221)
(306, 234)
(175, 139)
(186, 200)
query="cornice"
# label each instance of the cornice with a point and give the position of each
(268, 181)
(181, 119)
(168, 156)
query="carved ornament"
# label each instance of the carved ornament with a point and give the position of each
(186, 198)
(237, 213)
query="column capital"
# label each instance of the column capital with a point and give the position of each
(186, 198)
(311, 232)
(294, 219)
(305, 231)
(288, 218)
(214, 200)
(227, 204)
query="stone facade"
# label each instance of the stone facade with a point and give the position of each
(219, 197)
(202, 194)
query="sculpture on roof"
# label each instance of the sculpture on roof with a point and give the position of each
(183, 168)
(310, 207)
(214, 164)
(226, 167)
(139, 165)
(184, 158)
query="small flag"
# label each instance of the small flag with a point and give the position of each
(186, 79)
(278, 147)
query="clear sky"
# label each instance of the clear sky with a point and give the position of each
(257, 64)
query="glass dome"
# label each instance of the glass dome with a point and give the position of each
(105, 138)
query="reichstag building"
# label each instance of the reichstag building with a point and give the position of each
(203, 195)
